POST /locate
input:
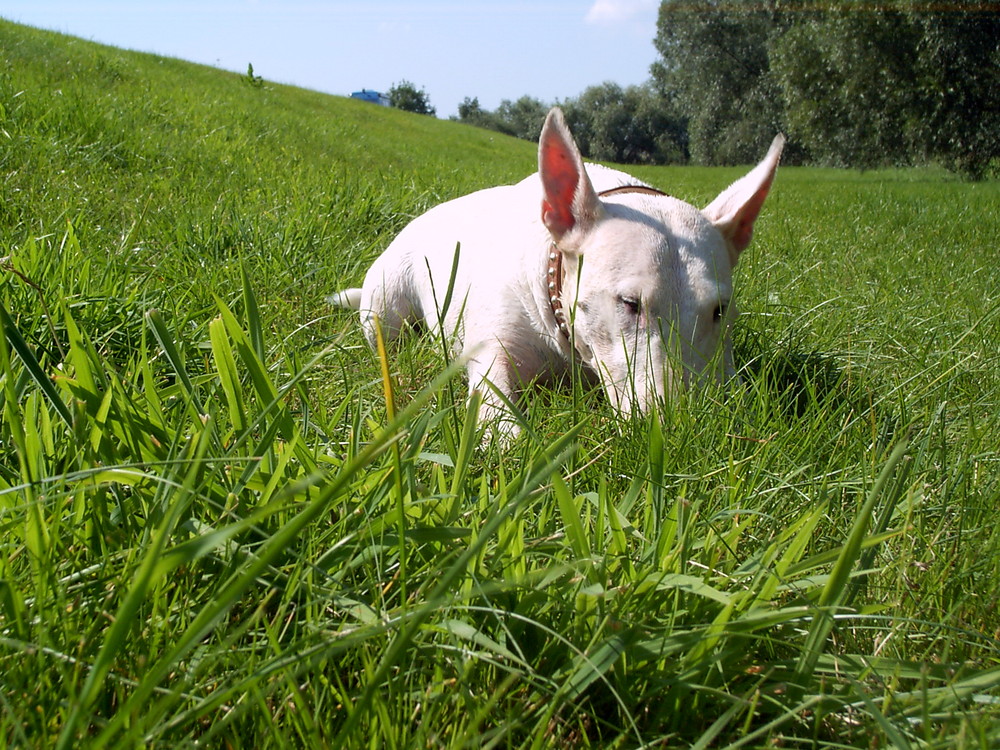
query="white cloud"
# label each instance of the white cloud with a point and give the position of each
(617, 11)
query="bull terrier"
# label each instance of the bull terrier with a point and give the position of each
(576, 262)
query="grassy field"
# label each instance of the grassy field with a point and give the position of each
(223, 526)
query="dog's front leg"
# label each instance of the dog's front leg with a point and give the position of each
(493, 376)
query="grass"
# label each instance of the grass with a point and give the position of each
(224, 524)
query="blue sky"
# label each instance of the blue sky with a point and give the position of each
(492, 50)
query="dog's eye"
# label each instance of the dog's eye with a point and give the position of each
(720, 311)
(631, 304)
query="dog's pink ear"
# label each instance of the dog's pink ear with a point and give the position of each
(569, 201)
(737, 207)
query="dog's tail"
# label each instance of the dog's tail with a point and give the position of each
(349, 298)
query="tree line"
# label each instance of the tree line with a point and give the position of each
(627, 125)
(860, 84)
(852, 83)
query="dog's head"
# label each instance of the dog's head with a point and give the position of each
(648, 278)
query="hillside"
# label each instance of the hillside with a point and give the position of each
(139, 103)
(140, 151)
(225, 522)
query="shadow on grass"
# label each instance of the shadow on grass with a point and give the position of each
(800, 382)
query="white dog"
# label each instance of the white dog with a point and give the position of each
(571, 262)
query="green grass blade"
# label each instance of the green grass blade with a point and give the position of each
(34, 367)
(591, 667)
(116, 638)
(276, 545)
(225, 365)
(569, 509)
(836, 586)
(542, 470)
(252, 313)
(169, 346)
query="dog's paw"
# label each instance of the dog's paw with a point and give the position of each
(499, 428)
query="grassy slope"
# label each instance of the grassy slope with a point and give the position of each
(202, 506)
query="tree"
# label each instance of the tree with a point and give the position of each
(847, 80)
(523, 118)
(855, 84)
(903, 85)
(404, 95)
(659, 133)
(958, 65)
(599, 120)
(471, 112)
(632, 125)
(715, 69)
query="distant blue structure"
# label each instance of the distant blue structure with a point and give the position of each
(371, 96)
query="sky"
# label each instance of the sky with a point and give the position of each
(452, 49)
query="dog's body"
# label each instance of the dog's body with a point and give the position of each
(637, 282)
